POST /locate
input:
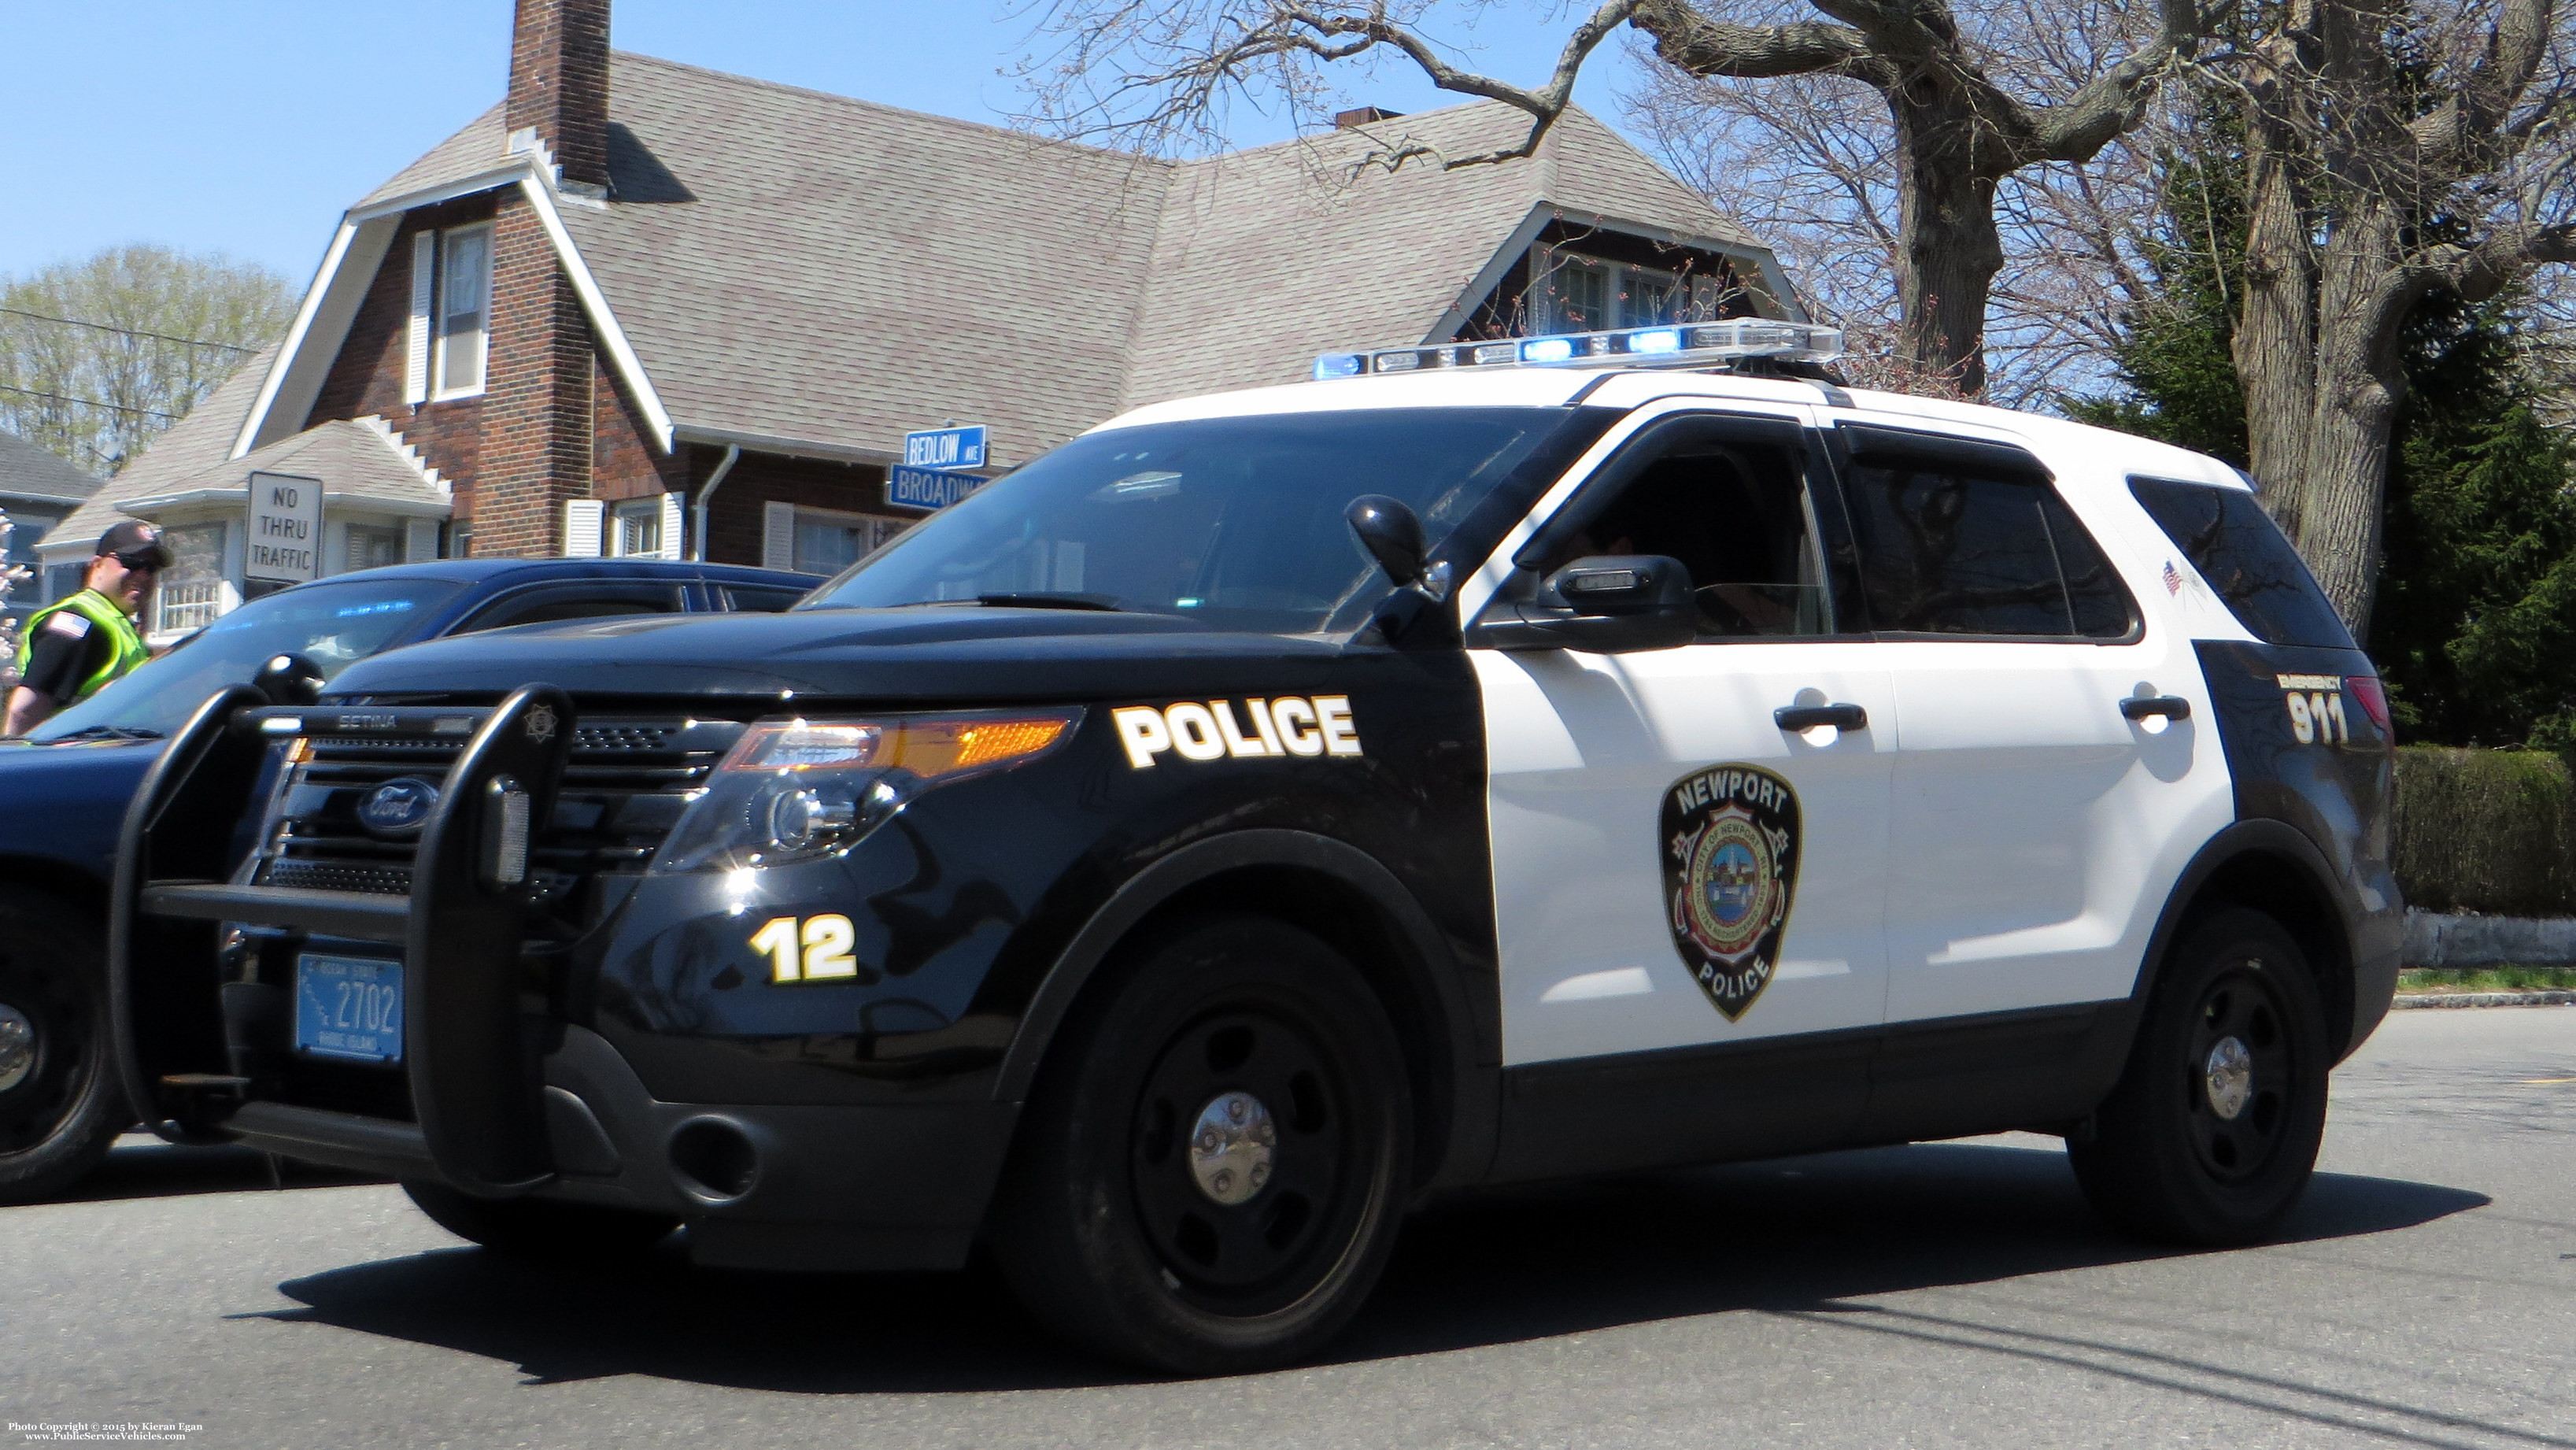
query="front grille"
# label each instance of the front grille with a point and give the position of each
(623, 789)
(333, 876)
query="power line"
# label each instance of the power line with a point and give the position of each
(126, 331)
(89, 403)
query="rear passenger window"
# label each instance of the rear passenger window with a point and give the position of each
(1971, 539)
(2243, 555)
(556, 603)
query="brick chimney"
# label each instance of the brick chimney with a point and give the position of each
(559, 84)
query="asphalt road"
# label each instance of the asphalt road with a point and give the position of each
(1953, 1294)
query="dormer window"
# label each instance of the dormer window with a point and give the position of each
(451, 313)
(1593, 294)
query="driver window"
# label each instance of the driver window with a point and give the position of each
(1739, 517)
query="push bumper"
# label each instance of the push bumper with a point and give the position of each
(504, 1100)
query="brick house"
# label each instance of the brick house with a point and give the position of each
(644, 308)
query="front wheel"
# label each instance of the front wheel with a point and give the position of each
(1212, 1169)
(60, 1102)
(2212, 1133)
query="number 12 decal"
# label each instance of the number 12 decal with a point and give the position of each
(826, 940)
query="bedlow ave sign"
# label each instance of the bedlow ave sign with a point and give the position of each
(285, 528)
(945, 447)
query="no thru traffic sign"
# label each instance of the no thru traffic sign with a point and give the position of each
(285, 528)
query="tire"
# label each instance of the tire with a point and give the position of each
(2168, 1161)
(1122, 1234)
(540, 1228)
(61, 1105)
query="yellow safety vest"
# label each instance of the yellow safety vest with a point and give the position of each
(101, 611)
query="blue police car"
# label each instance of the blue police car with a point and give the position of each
(64, 789)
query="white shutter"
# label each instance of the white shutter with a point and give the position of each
(424, 270)
(420, 540)
(581, 527)
(778, 536)
(671, 527)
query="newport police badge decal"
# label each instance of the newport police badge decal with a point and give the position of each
(1731, 844)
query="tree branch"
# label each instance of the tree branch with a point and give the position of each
(2109, 104)
(2479, 271)
(1689, 40)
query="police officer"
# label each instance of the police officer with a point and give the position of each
(70, 649)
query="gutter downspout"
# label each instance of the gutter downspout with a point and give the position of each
(698, 524)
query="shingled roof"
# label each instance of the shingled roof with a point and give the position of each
(793, 268)
(359, 459)
(30, 472)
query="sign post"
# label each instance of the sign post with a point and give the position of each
(285, 528)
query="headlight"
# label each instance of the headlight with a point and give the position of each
(800, 790)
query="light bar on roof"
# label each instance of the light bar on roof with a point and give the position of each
(1667, 345)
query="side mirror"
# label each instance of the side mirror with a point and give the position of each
(1391, 533)
(1605, 604)
(289, 680)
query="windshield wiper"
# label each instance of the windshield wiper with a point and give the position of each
(1054, 600)
(109, 732)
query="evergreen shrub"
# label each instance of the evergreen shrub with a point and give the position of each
(2490, 831)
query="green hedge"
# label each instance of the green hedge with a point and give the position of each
(2486, 830)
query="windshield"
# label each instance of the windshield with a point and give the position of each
(1237, 521)
(330, 623)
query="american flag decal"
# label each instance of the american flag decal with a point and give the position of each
(2173, 578)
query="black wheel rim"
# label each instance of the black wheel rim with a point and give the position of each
(59, 1019)
(2239, 1081)
(1265, 1251)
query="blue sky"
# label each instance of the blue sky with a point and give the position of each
(245, 126)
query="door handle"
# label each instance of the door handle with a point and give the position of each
(2172, 707)
(1795, 718)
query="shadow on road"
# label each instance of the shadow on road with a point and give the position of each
(140, 1166)
(1790, 1235)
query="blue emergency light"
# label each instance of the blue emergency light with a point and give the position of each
(1671, 345)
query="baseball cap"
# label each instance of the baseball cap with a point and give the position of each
(135, 545)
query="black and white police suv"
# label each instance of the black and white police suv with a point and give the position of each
(1494, 762)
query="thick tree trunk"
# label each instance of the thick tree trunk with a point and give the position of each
(2362, 301)
(1948, 247)
(2276, 334)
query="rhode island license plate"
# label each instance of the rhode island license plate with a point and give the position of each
(349, 1008)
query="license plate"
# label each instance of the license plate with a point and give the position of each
(350, 1008)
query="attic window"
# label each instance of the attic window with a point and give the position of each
(464, 310)
(451, 305)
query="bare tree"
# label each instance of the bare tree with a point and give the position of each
(98, 356)
(1810, 164)
(1163, 75)
(2394, 154)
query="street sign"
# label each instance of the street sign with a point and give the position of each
(285, 528)
(928, 488)
(945, 448)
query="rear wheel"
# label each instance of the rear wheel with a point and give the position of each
(539, 1228)
(1212, 1168)
(2212, 1132)
(60, 1103)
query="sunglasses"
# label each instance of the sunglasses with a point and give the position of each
(145, 561)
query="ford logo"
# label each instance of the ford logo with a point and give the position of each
(398, 807)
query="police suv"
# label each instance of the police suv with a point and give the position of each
(1490, 762)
